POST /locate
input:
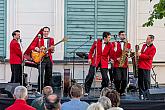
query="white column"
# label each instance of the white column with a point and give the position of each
(132, 22)
(59, 28)
(11, 22)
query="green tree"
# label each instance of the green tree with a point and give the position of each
(158, 13)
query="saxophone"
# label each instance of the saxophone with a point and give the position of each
(124, 55)
(135, 60)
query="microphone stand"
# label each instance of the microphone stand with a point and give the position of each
(22, 78)
(95, 69)
(154, 77)
(74, 56)
(40, 78)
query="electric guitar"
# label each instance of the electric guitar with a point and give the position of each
(38, 56)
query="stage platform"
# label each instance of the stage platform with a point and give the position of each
(128, 102)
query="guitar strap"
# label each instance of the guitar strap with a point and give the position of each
(48, 42)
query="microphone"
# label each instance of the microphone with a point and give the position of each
(20, 40)
(115, 37)
(90, 37)
(39, 35)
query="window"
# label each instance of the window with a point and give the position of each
(92, 17)
(3, 5)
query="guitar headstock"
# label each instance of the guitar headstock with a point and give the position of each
(64, 39)
(136, 48)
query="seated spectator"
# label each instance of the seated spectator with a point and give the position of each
(105, 102)
(76, 92)
(95, 106)
(115, 108)
(52, 102)
(20, 94)
(38, 103)
(115, 100)
(104, 91)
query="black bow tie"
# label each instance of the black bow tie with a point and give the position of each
(46, 38)
(121, 41)
(149, 45)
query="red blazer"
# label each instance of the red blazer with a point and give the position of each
(20, 105)
(35, 43)
(15, 52)
(100, 57)
(146, 57)
(118, 53)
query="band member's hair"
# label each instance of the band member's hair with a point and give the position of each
(106, 34)
(14, 32)
(152, 36)
(121, 32)
(46, 27)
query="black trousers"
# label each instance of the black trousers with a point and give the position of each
(90, 77)
(120, 79)
(16, 76)
(143, 80)
(111, 74)
(45, 76)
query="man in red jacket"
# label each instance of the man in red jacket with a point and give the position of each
(16, 58)
(145, 64)
(20, 94)
(44, 79)
(98, 57)
(120, 71)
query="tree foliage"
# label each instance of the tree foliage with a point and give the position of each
(158, 13)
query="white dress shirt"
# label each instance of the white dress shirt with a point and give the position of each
(122, 45)
(103, 45)
(46, 42)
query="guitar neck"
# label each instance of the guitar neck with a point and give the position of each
(58, 43)
(53, 45)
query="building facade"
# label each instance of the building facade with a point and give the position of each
(77, 20)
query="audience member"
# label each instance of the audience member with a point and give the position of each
(20, 94)
(104, 91)
(105, 102)
(52, 102)
(115, 100)
(38, 103)
(95, 106)
(75, 104)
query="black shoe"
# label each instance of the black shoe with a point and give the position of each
(141, 97)
(86, 94)
(122, 94)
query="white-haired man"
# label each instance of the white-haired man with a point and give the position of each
(95, 106)
(105, 102)
(20, 94)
